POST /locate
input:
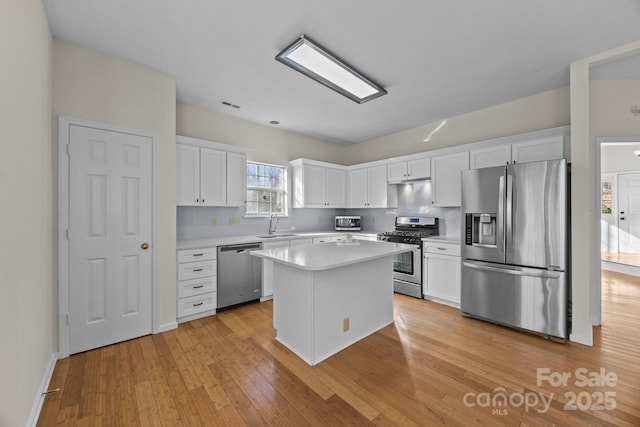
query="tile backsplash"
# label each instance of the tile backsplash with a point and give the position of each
(414, 199)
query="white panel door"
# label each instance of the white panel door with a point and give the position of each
(110, 224)
(236, 179)
(629, 212)
(213, 177)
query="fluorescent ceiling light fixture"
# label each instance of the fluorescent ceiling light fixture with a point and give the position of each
(316, 62)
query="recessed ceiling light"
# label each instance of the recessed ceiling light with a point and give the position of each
(316, 62)
(274, 122)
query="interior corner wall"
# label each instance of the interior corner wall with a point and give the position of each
(541, 111)
(93, 86)
(26, 227)
(265, 143)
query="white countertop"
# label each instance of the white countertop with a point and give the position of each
(325, 256)
(233, 240)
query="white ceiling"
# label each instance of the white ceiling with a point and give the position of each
(437, 59)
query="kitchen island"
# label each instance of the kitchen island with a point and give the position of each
(328, 296)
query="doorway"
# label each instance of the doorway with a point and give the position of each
(106, 228)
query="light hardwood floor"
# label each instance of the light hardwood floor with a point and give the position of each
(429, 368)
(621, 258)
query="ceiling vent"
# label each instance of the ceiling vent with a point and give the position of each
(228, 104)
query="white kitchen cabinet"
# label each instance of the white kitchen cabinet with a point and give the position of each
(446, 177)
(208, 177)
(534, 150)
(441, 269)
(317, 185)
(368, 188)
(197, 284)
(236, 179)
(408, 170)
(538, 149)
(498, 155)
(267, 269)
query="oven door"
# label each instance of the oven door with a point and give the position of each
(407, 266)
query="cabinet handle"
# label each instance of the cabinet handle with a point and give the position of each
(195, 270)
(442, 249)
(198, 304)
(198, 287)
(197, 200)
(202, 200)
(197, 254)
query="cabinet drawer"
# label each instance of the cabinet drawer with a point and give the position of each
(442, 248)
(196, 304)
(189, 288)
(195, 270)
(192, 255)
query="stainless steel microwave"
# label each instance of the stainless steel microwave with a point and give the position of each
(348, 223)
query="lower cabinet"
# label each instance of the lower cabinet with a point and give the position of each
(441, 269)
(197, 283)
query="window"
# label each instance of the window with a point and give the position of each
(266, 189)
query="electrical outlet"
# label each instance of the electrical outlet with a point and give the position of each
(319, 220)
(234, 221)
(345, 324)
(373, 220)
(215, 222)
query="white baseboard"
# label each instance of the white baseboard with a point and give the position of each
(44, 385)
(579, 339)
(631, 270)
(167, 327)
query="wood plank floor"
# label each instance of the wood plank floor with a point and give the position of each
(432, 367)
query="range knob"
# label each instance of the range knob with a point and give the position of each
(407, 240)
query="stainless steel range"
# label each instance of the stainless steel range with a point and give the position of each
(407, 266)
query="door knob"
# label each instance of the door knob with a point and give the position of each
(144, 246)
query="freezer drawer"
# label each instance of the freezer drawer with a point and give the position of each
(526, 298)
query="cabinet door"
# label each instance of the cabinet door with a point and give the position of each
(397, 171)
(419, 168)
(489, 157)
(538, 150)
(336, 188)
(236, 179)
(442, 274)
(377, 187)
(213, 177)
(314, 186)
(188, 171)
(358, 188)
(445, 178)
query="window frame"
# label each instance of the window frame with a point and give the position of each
(283, 190)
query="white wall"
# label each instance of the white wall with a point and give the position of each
(89, 85)
(619, 158)
(266, 143)
(26, 226)
(542, 111)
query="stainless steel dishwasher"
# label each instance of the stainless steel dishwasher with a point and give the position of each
(239, 274)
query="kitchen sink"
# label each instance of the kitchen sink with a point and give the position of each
(271, 236)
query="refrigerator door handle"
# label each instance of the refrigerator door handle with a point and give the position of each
(500, 222)
(516, 271)
(509, 214)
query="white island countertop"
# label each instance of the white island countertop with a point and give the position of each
(325, 256)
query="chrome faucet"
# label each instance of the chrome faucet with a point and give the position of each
(272, 227)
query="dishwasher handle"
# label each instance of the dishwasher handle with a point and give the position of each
(240, 248)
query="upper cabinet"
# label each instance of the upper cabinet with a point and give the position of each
(534, 150)
(445, 178)
(318, 185)
(210, 177)
(408, 170)
(368, 188)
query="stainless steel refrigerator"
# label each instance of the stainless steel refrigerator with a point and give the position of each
(515, 246)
